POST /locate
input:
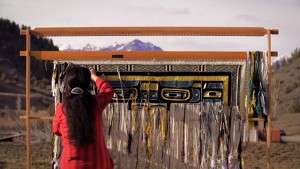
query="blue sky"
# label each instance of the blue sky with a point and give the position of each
(283, 15)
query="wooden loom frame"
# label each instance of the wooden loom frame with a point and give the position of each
(133, 55)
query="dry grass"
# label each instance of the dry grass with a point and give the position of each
(282, 155)
(41, 130)
(287, 83)
(13, 155)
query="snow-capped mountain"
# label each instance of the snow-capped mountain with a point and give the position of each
(135, 45)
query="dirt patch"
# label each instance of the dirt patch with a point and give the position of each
(13, 155)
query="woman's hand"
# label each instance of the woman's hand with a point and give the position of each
(93, 74)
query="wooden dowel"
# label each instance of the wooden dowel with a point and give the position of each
(150, 31)
(256, 119)
(37, 117)
(23, 32)
(136, 55)
(269, 137)
(49, 55)
(273, 53)
(274, 31)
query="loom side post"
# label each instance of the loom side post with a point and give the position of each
(28, 150)
(269, 137)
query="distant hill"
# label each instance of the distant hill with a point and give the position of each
(286, 83)
(12, 65)
(286, 94)
(11, 43)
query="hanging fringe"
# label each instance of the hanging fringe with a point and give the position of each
(54, 79)
(204, 135)
(148, 132)
(224, 133)
(257, 87)
(56, 140)
(216, 109)
(57, 149)
(213, 136)
(164, 123)
(236, 129)
(264, 83)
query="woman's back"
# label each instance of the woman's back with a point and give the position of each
(94, 154)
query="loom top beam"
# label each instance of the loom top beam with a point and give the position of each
(134, 55)
(150, 31)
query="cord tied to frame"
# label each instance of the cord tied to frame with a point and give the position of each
(77, 90)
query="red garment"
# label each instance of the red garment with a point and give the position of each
(95, 155)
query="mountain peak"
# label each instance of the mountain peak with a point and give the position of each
(134, 45)
(138, 45)
(136, 41)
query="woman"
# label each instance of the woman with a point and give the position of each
(78, 120)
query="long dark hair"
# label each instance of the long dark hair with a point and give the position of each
(78, 107)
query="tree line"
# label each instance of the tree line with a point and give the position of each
(284, 61)
(11, 43)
